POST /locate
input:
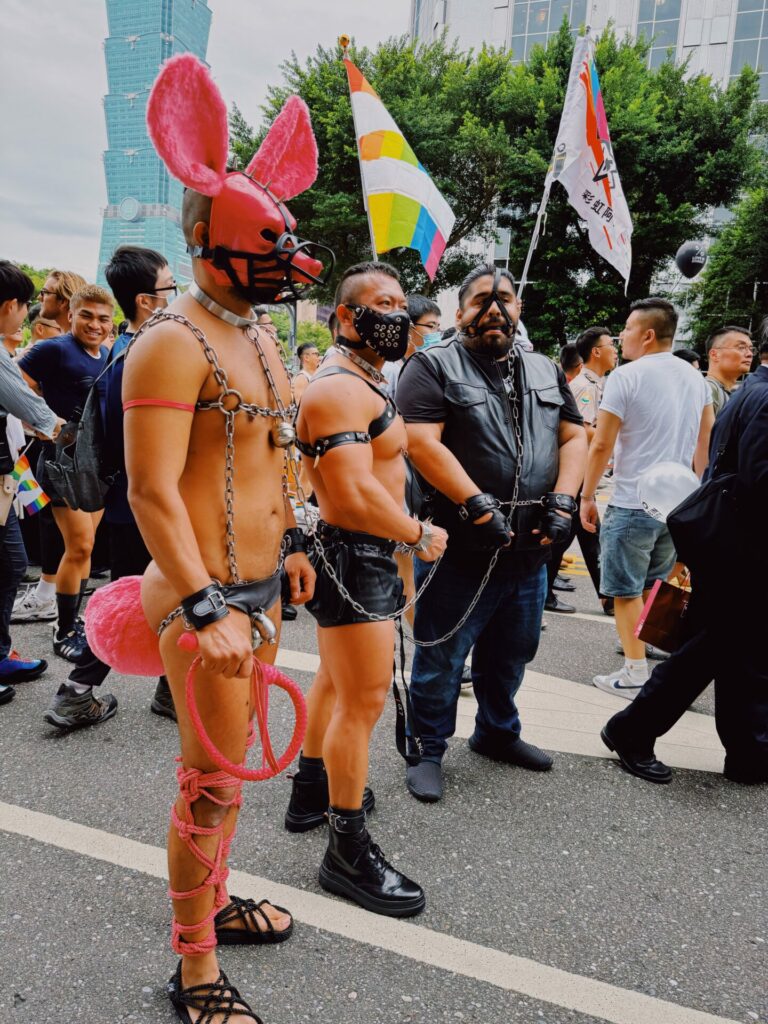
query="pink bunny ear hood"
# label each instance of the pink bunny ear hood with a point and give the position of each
(251, 241)
(187, 122)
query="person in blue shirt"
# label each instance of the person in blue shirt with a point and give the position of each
(141, 282)
(63, 370)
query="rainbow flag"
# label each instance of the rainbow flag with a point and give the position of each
(403, 204)
(28, 490)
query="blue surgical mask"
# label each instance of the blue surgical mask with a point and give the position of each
(432, 339)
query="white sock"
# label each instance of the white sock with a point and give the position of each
(637, 669)
(78, 688)
(45, 591)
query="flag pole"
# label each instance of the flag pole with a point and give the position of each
(536, 234)
(344, 41)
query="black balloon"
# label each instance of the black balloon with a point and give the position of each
(690, 258)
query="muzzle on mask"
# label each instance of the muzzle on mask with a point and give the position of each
(253, 248)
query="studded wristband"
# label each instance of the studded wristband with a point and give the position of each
(424, 541)
(555, 502)
(294, 540)
(204, 607)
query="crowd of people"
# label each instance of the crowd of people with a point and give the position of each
(505, 452)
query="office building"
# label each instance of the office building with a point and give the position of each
(718, 37)
(143, 200)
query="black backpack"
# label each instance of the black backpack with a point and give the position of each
(709, 528)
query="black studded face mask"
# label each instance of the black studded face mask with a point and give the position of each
(386, 334)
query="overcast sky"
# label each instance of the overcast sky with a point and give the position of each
(53, 77)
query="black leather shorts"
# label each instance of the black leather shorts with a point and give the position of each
(367, 568)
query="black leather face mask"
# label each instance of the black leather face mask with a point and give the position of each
(386, 334)
(473, 326)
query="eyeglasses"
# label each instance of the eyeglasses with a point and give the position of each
(168, 288)
(45, 291)
(743, 347)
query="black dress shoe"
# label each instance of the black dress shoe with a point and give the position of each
(643, 765)
(517, 752)
(7, 693)
(355, 867)
(554, 604)
(308, 806)
(425, 781)
(162, 701)
(289, 613)
(561, 583)
(746, 775)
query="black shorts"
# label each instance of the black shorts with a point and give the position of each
(48, 454)
(365, 565)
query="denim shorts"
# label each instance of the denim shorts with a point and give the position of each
(635, 551)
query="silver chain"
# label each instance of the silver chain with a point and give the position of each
(221, 378)
(375, 617)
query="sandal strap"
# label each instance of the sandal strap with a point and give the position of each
(213, 1000)
(246, 911)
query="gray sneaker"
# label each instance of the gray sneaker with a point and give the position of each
(75, 710)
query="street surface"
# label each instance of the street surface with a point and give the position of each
(578, 896)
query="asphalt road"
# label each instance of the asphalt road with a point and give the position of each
(651, 890)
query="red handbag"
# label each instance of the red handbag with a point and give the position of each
(662, 619)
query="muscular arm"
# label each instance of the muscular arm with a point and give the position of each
(163, 365)
(701, 455)
(332, 407)
(600, 451)
(437, 464)
(573, 458)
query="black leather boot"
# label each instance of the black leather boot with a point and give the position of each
(309, 796)
(355, 867)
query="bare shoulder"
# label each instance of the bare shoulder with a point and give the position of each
(341, 401)
(167, 359)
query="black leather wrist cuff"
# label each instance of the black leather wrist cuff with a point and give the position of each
(554, 502)
(478, 505)
(294, 540)
(204, 607)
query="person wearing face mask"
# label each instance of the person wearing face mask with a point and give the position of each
(352, 442)
(424, 315)
(494, 432)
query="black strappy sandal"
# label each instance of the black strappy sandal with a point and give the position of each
(219, 998)
(250, 914)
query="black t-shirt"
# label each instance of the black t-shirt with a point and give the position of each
(421, 395)
(65, 372)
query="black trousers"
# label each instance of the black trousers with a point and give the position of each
(590, 549)
(128, 557)
(724, 644)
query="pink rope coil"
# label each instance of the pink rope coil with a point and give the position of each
(262, 677)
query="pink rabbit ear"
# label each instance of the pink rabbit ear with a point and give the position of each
(287, 158)
(187, 122)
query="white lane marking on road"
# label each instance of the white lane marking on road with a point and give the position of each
(413, 942)
(567, 717)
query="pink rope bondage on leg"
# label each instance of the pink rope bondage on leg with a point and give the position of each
(194, 784)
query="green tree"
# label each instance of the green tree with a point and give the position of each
(733, 288)
(485, 127)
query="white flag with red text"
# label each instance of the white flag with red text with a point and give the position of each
(585, 166)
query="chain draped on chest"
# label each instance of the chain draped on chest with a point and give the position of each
(230, 403)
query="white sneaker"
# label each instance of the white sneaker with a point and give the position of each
(620, 683)
(29, 607)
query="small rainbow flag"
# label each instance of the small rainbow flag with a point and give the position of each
(28, 490)
(403, 204)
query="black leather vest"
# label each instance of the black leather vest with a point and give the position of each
(479, 432)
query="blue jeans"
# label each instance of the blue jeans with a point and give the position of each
(504, 629)
(635, 551)
(13, 565)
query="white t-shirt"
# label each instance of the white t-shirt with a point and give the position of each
(659, 400)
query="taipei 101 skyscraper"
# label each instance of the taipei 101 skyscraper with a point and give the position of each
(143, 200)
